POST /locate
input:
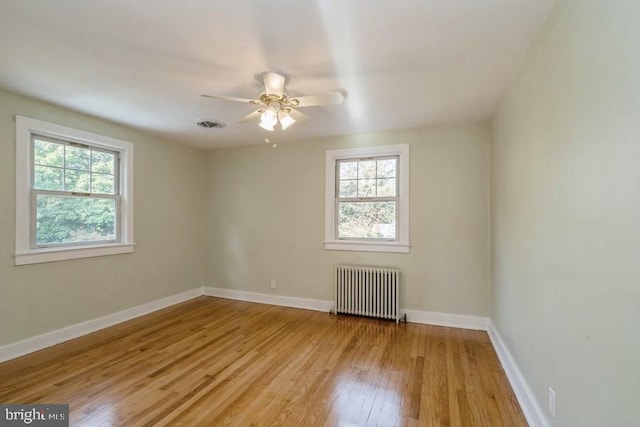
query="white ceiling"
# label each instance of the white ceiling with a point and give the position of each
(144, 63)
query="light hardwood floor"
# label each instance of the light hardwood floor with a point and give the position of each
(213, 362)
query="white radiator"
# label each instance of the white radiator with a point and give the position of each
(368, 291)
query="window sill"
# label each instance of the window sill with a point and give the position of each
(344, 245)
(37, 256)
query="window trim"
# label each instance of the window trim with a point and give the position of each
(24, 254)
(401, 244)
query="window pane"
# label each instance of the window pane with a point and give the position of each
(74, 219)
(367, 169)
(102, 183)
(387, 187)
(348, 188)
(78, 158)
(102, 162)
(46, 178)
(387, 168)
(48, 153)
(366, 188)
(367, 220)
(348, 170)
(77, 181)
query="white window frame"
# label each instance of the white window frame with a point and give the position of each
(25, 252)
(401, 244)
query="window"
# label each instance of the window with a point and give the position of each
(74, 193)
(367, 199)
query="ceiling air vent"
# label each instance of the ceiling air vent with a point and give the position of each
(208, 124)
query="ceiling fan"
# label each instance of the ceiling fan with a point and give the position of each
(275, 105)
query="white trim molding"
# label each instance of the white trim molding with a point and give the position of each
(285, 301)
(29, 345)
(461, 321)
(530, 407)
(63, 254)
(367, 247)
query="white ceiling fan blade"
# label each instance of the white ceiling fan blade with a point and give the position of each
(298, 116)
(314, 100)
(251, 116)
(233, 98)
(273, 83)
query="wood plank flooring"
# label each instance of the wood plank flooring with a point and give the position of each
(215, 362)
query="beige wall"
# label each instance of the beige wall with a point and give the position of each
(265, 219)
(566, 213)
(168, 258)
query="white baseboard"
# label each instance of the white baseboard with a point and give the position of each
(294, 302)
(445, 319)
(528, 402)
(29, 345)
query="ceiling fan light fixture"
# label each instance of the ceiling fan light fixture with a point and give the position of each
(269, 117)
(285, 119)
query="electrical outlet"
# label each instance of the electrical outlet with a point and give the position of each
(552, 402)
(273, 284)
